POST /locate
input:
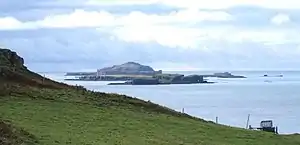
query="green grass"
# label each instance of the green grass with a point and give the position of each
(69, 117)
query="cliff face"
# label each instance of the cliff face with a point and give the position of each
(9, 58)
(128, 68)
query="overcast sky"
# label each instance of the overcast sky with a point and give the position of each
(64, 35)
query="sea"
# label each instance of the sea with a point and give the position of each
(229, 100)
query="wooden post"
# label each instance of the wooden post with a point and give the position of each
(248, 121)
(43, 79)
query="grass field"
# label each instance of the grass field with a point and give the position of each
(59, 117)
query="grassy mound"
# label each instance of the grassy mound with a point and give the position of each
(58, 114)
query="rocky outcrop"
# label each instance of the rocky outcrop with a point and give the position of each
(178, 79)
(145, 81)
(193, 79)
(224, 75)
(272, 76)
(10, 59)
(129, 68)
(13, 72)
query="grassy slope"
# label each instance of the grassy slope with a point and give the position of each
(59, 114)
(77, 118)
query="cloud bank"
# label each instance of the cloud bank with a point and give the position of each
(167, 34)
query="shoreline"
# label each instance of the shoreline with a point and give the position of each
(128, 84)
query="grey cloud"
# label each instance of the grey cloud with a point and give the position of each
(36, 9)
(61, 49)
(69, 49)
(244, 16)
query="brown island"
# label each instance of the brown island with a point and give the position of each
(136, 74)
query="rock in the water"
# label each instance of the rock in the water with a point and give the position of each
(227, 75)
(177, 79)
(148, 81)
(193, 79)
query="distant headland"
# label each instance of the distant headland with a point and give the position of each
(137, 74)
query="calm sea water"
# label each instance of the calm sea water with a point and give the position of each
(231, 100)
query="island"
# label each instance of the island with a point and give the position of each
(128, 69)
(166, 80)
(133, 73)
(123, 72)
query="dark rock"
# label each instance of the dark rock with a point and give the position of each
(226, 75)
(193, 78)
(161, 80)
(273, 76)
(13, 72)
(145, 81)
(9, 58)
(177, 78)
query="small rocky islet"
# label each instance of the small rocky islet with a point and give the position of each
(136, 74)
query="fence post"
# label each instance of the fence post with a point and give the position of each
(43, 79)
(248, 121)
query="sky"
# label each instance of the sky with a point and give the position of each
(77, 35)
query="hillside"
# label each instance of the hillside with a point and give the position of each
(39, 111)
(14, 73)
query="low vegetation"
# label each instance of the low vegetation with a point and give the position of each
(38, 111)
(10, 135)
